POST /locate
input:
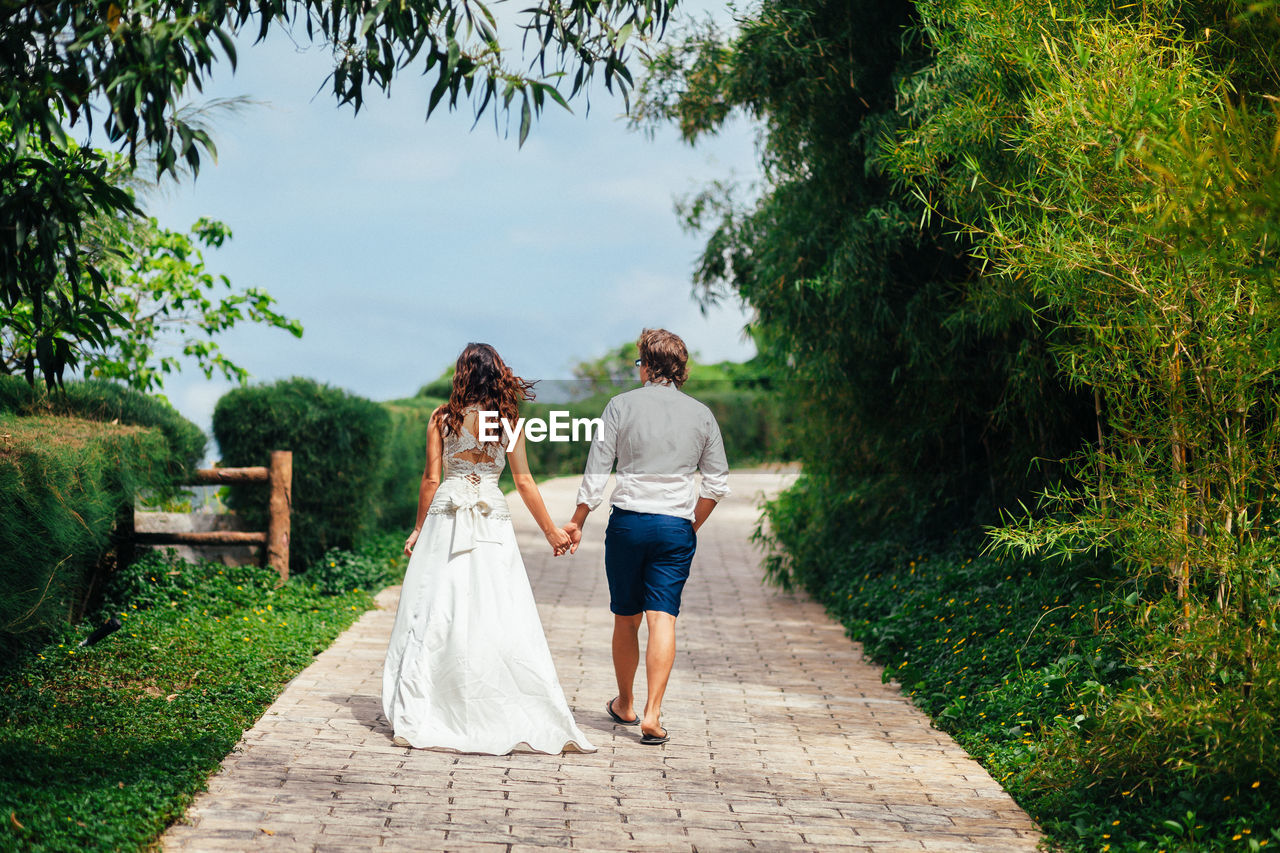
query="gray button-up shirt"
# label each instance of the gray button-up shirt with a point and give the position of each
(660, 436)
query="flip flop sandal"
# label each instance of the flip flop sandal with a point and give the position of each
(654, 740)
(608, 706)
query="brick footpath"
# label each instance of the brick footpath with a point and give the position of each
(782, 737)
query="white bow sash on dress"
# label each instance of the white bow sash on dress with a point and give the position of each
(471, 523)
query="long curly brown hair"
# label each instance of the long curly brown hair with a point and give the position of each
(481, 378)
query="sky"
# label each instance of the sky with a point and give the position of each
(397, 240)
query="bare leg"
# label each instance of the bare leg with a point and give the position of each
(659, 655)
(626, 657)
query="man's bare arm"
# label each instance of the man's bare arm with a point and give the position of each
(701, 510)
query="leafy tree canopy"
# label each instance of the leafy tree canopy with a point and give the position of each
(125, 66)
(909, 392)
(999, 232)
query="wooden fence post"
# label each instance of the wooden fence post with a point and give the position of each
(281, 485)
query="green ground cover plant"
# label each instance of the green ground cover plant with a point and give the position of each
(104, 746)
(1028, 665)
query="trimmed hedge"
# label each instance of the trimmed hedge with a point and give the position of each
(403, 461)
(63, 483)
(71, 461)
(338, 442)
(108, 402)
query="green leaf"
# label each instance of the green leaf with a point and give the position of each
(622, 35)
(228, 46)
(370, 17)
(557, 97)
(526, 119)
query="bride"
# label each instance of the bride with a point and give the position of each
(468, 667)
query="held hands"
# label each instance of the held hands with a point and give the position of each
(559, 540)
(575, 536)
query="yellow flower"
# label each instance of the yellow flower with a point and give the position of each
(1255, 784)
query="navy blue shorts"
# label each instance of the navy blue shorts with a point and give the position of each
(647, 557)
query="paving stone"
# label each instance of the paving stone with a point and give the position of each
(783, 736)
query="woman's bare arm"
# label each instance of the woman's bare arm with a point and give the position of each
(532, 498)
(430, 477)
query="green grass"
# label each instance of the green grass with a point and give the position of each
(103, 747)
(1017, 660)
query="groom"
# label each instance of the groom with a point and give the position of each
(659, 437)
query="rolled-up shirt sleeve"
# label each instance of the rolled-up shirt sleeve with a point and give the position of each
(595, 476)
(713, 465)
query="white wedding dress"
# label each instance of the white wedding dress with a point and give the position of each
(468, 667)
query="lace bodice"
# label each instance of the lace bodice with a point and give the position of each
(469, 481)
(467, 457)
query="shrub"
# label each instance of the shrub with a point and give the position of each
(338, 441)
(64, 482)
(403, 462)
(376, 564)
(108, 402)
(752, 423)
(1202, 710)
(70, 461)
(440, 386)
(162, 579)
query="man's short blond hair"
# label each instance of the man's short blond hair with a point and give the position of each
(664, 355)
